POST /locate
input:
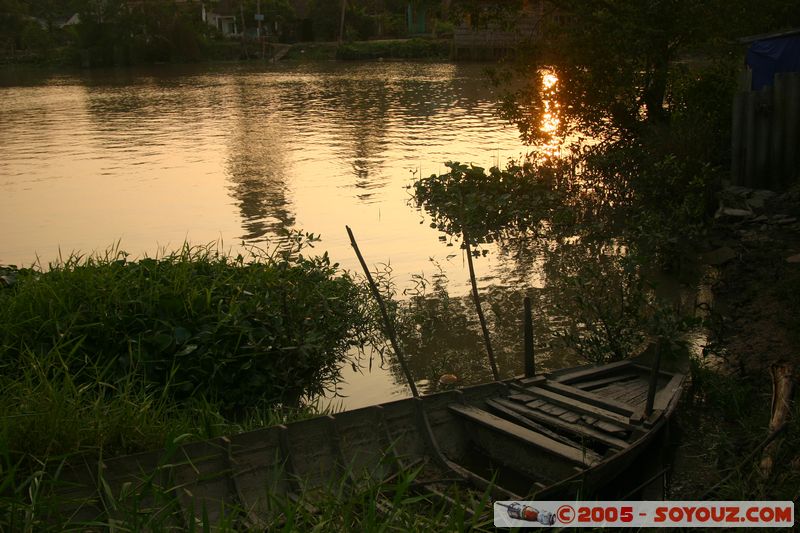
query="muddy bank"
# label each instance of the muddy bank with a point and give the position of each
(753, 323)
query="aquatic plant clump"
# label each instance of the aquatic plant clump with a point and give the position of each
(511, 201)
(271, 327)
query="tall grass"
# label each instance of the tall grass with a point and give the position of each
(271, 327)
(52, 418)
(102, 356)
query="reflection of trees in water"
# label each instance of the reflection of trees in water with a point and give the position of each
(257, 166)
(361, 109)
(440, 334)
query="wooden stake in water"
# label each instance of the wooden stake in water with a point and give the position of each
(385, 315)
(530, 361)
(477, 300)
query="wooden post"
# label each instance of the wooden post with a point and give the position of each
(530, 361)
(244, 31)
(737, 138)
(341, 22)
(750, 139)
(476, 298)
(763, 137)
(651, 390)
(778, 125)
(791, 161)
(386, 321)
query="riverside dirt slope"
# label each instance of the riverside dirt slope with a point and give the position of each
(753, 323)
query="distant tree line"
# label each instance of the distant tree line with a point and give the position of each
(114, 31)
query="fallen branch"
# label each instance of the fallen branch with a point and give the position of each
(782, 388)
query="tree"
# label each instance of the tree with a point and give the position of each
(615, 57)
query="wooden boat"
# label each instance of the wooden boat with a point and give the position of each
(539, 438)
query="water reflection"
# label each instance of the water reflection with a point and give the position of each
(551, 119)
(257, 164)
(440, 334)
(154, 156)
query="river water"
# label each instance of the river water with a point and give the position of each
(157, 156)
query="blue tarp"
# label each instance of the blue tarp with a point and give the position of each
(770, 56)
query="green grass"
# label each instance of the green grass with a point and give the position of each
(103, 356)
(722, 420)
(49, 421)
(51, 416)
(268, 328)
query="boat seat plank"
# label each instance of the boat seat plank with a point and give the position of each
(602, 382)
(562, 425)
(589, 397)
(532, 380)
(581, 407)
(526, 435)
(592, 372)
(535, 403)
(509, 414)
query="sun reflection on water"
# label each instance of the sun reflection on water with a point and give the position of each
(550, 121)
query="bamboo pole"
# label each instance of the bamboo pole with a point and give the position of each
(476, 298)
(384, 314)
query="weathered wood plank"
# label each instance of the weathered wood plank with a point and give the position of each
(626, 394)
(581, 407)
(570, 417)
(505, 412)
(532, 380)
(524, 398)
(589, 397)
(562, 425)
(593, 372)
(526, 435)
(551, 409)
(609, 427)
(665, 395)
(612, 391)
(597, 383)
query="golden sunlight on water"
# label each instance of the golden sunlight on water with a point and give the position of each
(550, 116)
(156, 156)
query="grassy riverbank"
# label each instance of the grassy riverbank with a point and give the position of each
(106, 356)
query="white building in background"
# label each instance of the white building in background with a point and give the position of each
(221, 19)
